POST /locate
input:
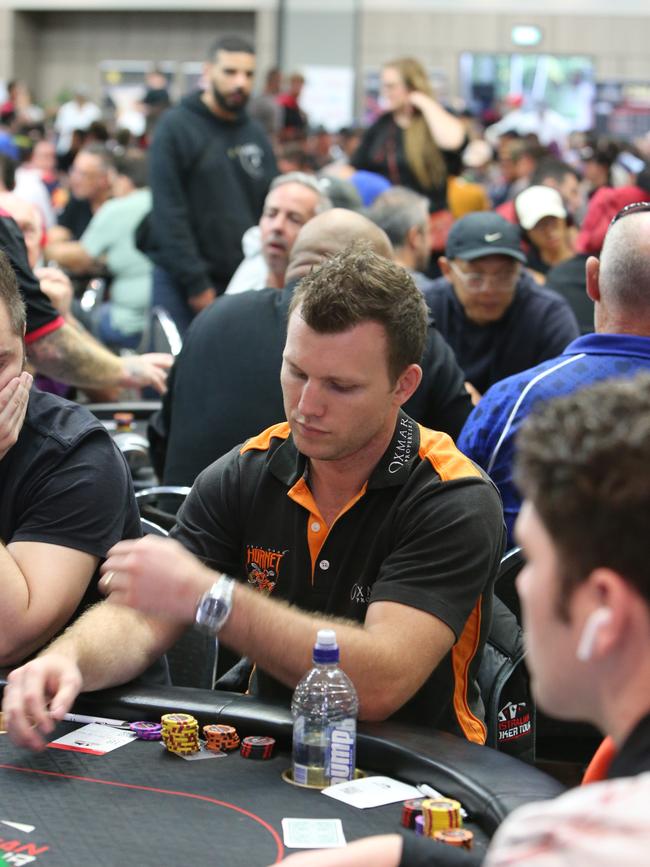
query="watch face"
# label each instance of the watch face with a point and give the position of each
(213, 607)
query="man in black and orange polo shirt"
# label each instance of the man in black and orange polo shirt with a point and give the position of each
(351, 510)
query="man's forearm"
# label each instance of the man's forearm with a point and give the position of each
(70, 255)
(72, 356)
(281, 638)
(92, 640)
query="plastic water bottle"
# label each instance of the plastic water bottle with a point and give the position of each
(324, 710)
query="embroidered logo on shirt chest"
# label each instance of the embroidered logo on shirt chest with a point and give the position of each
(360, 593)
(263, 567)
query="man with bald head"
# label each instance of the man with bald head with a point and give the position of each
(348, 515)
(231, 359)
(618, 286)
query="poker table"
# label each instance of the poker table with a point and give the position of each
(140, 805)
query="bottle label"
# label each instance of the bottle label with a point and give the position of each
(300, 774)
(342, 751)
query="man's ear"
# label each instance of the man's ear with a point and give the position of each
(445, 267)
(412, 237)
(407, 382)
(592, 273)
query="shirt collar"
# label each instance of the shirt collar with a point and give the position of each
(394, 467)
(610, 344)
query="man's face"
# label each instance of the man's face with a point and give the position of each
(286, 210)
(12, 354)
(485, 287)
(89, 178)
(338, 396)
(549, 234)
(30, 223)
(44, 156)
(551, 642)
(422, 247)
(231, 79)
(569, 189)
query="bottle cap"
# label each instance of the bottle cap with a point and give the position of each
(123, 420)
(326, 649)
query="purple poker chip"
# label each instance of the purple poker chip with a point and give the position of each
(147, 731)
(419, 826)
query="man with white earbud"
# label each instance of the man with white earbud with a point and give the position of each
(583, 467)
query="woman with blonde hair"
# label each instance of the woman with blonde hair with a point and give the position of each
(416, 143)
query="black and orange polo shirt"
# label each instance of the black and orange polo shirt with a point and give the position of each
(426, 530)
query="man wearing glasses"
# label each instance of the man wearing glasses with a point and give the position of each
(620, 346)
(489, 309)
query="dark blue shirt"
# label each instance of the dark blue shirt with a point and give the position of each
(537, 325)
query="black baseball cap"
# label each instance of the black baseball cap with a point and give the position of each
(484, 233)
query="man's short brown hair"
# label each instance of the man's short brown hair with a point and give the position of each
(358, 286)
(11, 297)
(584, 463)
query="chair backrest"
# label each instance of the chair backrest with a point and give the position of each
(192, 659)
(150, 528)
(505, 687)
(511, 565)
(164, 336)
(160, 503)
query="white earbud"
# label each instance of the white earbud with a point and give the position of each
(596, 619)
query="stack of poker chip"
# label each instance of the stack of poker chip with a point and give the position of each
(180, 733)
(455, 837)
(220, 738)
(440, 814)
(257, 747)
(410, 811)
(147, 731)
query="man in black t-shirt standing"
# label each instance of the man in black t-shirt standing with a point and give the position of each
(211, 166)
(66, 497)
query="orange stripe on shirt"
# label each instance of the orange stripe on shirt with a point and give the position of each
(262, 441)
(462, 654)
(439, 449)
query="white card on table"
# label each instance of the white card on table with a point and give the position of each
(95, 739)
(371, 792)
(313, 833)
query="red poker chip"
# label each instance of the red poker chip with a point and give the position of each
(257, 747)
(411, 809)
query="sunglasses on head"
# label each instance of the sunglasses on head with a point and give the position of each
(634, 208)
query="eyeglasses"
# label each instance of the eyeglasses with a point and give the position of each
(473, 282)
(634, 208)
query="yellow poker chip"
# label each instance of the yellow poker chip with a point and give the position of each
(180, 733)
(174, 718)
(440, 814)
(3, 730)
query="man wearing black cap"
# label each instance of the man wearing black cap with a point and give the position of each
(495, 317)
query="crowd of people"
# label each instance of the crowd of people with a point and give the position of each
(391, 339)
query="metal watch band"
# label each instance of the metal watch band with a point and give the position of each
(215, 606)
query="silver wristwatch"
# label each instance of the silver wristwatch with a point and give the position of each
(215, 606)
